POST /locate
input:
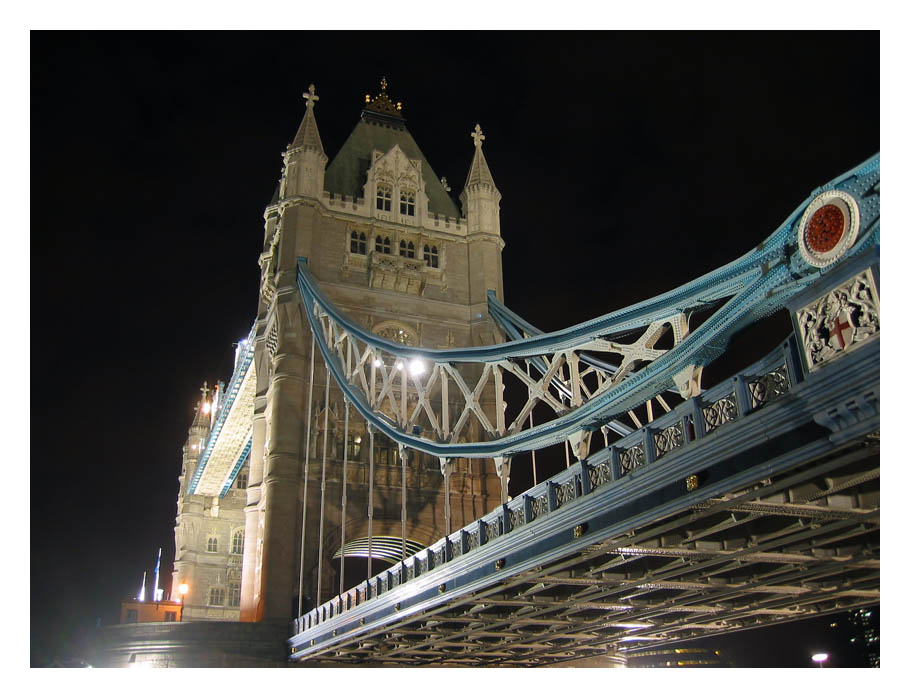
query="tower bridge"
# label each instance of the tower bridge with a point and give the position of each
(385, 368)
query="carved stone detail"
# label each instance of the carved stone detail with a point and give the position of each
(840, 321)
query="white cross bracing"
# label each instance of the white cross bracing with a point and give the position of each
(460, 409)
(465, 403)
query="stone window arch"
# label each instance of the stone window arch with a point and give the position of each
(233, 594)
(383, 245)
(212, 545)
(431, 256)
(216, 596)
(407, 200)
(237, 542)
(383, 197)
(396, 332)
(358, 243)
(406, 249)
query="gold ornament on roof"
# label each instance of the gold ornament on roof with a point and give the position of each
(381, 102)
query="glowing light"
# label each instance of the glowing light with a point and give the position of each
(417, 367)
(377, 363)
(357, 439)
(183, 589)
(820, 657)
(206, 408)
(399, 365)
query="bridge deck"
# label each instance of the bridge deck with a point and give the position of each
(755, 514)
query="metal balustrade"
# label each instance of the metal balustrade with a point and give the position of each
(770, 378)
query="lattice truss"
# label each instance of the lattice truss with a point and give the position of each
(615, 373)
(803, 543)
(454, 402)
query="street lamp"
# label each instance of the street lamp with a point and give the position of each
(821, 658)
(183, 589)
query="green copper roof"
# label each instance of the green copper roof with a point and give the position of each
(346, 174)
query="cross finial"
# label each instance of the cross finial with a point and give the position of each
(478, 136)
(204, 390)
(311, 97)
(383, 84)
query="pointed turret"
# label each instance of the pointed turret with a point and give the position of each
(305, 159)
(480, 198)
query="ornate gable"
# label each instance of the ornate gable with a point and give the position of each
(395, 188)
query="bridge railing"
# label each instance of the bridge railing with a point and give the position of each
(698, 418)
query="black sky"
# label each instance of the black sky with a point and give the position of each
(628, 164)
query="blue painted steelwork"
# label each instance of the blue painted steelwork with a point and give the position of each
(242, 365)
(241, 460)
(755, 285)
(770, 428)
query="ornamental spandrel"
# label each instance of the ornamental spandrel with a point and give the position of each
(843, 319)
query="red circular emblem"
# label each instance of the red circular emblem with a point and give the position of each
(825, 229)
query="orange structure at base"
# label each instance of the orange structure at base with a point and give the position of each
(150, 611)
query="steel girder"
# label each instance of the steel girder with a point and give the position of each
(584, 392)
(781, 523)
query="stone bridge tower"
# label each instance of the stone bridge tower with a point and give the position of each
(386, 241)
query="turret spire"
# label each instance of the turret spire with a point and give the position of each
(305, 159)
(480, 198)
(308, 134)
(480, 171)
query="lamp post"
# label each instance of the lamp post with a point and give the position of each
(821, 658)
(183, 589)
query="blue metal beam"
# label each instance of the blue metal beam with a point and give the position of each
(757, 284)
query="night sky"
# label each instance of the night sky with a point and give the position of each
(628, 164)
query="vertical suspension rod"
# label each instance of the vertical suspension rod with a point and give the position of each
(306, 470)
(370, 510)
(403, 455)
(344, 491)
(325, 446)
(531, 415)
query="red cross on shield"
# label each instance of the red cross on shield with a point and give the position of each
(841, 323)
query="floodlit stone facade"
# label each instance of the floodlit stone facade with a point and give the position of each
(388, 244)
(209, 536)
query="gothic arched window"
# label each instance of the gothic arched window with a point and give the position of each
(406, 249)
(216, 596)
(407, 203)
(431, 256)
(383, 245)
(237, 543)
(233, 594)
(383, 197)
(212, 545)
(242, 480)
(358, 243)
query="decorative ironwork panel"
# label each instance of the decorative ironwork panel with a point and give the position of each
(516, 517)
(491, 529)
(720, 412)
(539, 507)
(600, 475)
(409, 574)
(421, 565)
(841, 320)
(631, 458)
(668, 439)
(474, 540)
(456, 549)
(438, 557)
(565, 493)
(769, 387)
